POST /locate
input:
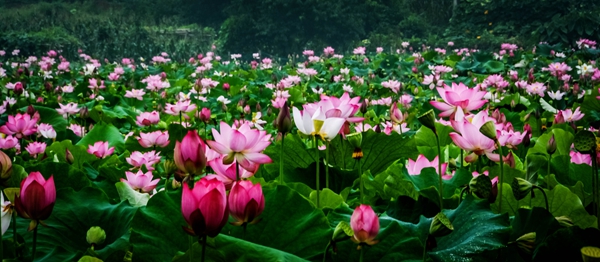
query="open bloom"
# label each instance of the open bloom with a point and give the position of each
(471, 139)
(20, 125)
(205, 207)
(156, 138)
(190, 154)
(138, 159)
(140, 181)
(243, 144)
(569, 115)
(36, 199)
(100, 149)
(365, 224)
(246, 202)
(36, 148)
(318, 124)
(147, 119)
(415, 167)
(458, 96)
(227, 173)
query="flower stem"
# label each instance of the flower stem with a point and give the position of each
(441, 188)
(548, 166)
(501, 180)
(281, 160)
(362, 254)
(318, 177)
(595, 195)
(362, 182)
(14, 227)
(191, 242)
(545, 197)
(34, 242)
(327, 166)
(203, 248)
(325, 253)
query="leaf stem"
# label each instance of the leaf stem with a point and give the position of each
(204, 248)
(545, 196)
(325, 253)
(34, 241)
(441, 188)
(281, 160)
(362, 254)
(362, 182)
(318, 177)
(327, 166)
(501, 180)
(191, 243)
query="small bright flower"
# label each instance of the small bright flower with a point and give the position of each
(68, 109)
(20, 125)
(243, 144)
(36, 148)
(180, 107)
(140, 181)
(77, 129)
(359, 50)
(9, 142)
(152, 139)
(147, 119)
(536, 88)
(415, 167)
(135, 93)
(205, 207)
(256, 121)
(100, 149)
(584, 69)
(571, 116)
(46, 130)
(459, 96)
(138, 159)
(317, 124)
(556, 95)
(223, 100)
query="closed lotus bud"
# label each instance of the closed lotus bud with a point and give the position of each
(163, 76)
(551, 147)
(526, 242)
(247, 109)
(69, 157)
(365, 224)
(521, 188)
(5, 166)
(204, 207)
(342, 231)
(36, 198)
(284, 120)
(590, 254)
(364, 106)
(526, 138)
(31, 110)
(48, 86)
(355, 139)
(585, 142)
(226, 86)
(246, 202)
(440, 225)
(84, 112)
(565, 221)
(481, 186)
(19, 89)
(428, 120)
(205, 115)
(190, 155)
(489, 130)
(95, 236)
(258, 107)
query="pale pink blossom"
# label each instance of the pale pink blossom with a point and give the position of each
(140, 181)
(100, 149)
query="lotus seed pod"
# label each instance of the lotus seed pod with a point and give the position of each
(521, 188)
(440, 225)
(428, 120)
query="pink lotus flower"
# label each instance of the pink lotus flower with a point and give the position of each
(359, 50)
(243, 144)
(46, 130)
(469, 138)
(135, 93)
(138, 159)
(570, 116)
(68, 109)
(415, 167)
(36, 199)
(20, 125)
(9, 142)
(140, 181)
(579, 158)
(510, 139)
(77, 129)
(153, 139)
(36, 148)
(100, 149)
(246, 202)
(204, 115)
(365, 224)
(458, 96)
(204, 208)
(393, 85)
(180, 107)
(190, 154)
(147, 119)
(328, 51)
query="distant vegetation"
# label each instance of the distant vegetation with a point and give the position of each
(110, 29)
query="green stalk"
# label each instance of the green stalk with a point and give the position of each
(425, 251)
(595, 195)
(191, 243)
(34, 242)
(204, 248)
(548, 165)
(327, 166)
(545, 197)
(362, 254)
(325, 253)
(501, 180)
(362, 182)
(281, 160)
(441, 188)
(14, 227)
(318, 177)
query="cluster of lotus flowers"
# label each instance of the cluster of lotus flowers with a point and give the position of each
(235, 152)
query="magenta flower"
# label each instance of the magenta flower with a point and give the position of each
(140, 181)
(180, 107)
(9, 142)
(46, 130)
(365, 224)
(204, 208)
(20, 125)
(227, 173)
(359, 50)
(190, 154)
(469, 137)
(246, 202)
(36, 148)
(415, 167)
(100, 149)
(579, 158)
(135, 93)
(568, 115)
(153, 139)
(458, 96)
(510, 139)
(147, 119)
(36, 199)
(243, 144)
(68, 109)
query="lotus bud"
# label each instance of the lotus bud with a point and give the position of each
(226, 86)
(489, 130)
(565, 221)
(378, 128)
(440, 225)
(585, 142)
(284, 120)
(69, 157)
(526, 138)
(31, 110)
(521, 188)
(364, 106)
(551, 147)
(428, 120)
(481, 186)
(84, 112)
(247, 109)
(163, 76)
(5, 166)
(48, 86)
(590, 254)
(95, 236)
(342, 232)
(526, 242)
(205, 115)
(258, 107)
